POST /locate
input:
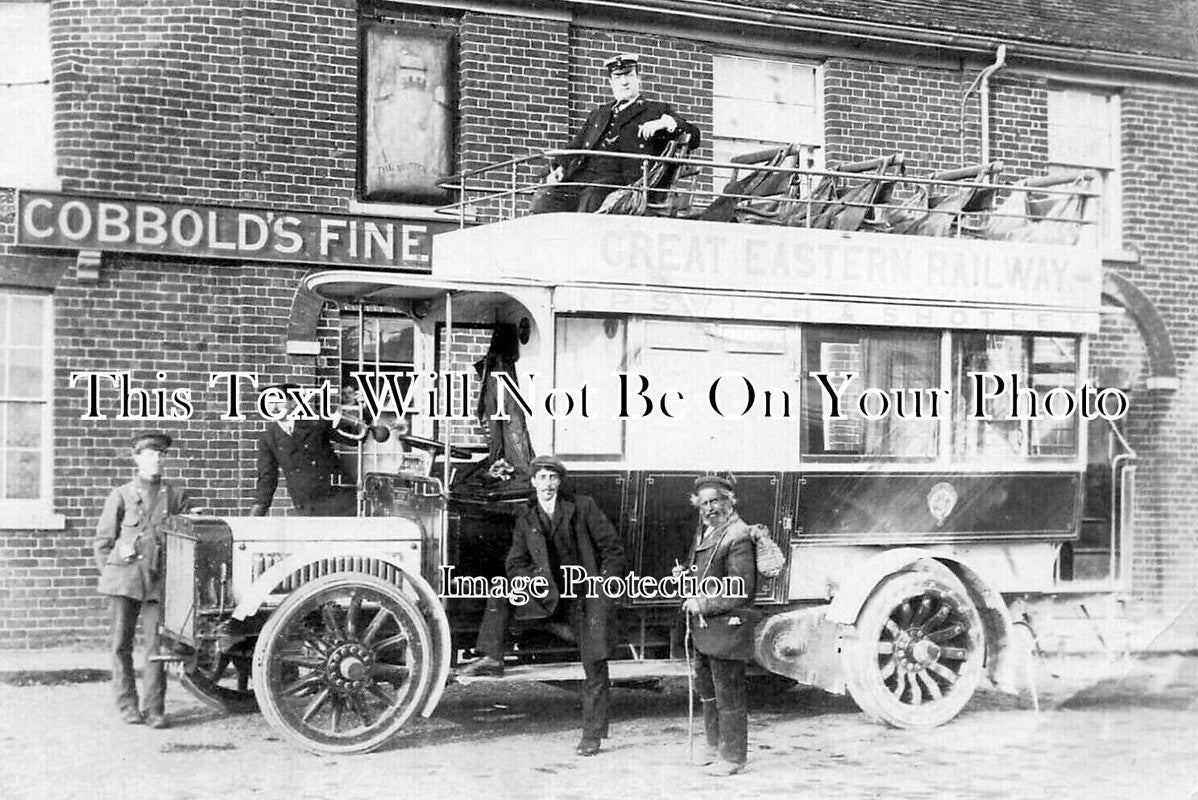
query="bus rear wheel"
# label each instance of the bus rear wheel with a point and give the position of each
(917, 656)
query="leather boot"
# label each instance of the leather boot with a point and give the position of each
(485, 667)
(734, 737)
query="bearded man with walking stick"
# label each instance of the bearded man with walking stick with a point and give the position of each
(722, 627)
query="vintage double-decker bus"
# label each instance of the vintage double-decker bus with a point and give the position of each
(892, 370)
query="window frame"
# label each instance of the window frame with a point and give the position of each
(1110, 217)
(817, 148)
(34, 19)
(1025, 457)
(346, 366)
(35, 512)
(810, 392)
(948, 425)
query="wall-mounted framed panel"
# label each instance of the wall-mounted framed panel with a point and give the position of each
(407, 138)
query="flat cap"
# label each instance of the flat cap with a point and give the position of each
(547, 462)
(718, 481)
(622, 63)
(155, 440)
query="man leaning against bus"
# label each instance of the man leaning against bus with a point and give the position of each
(551, 532)
(303, 450)
(628, 124)
(722, 627)
(129, 550)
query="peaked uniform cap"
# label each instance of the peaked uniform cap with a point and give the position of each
(622, 63)
(153, 439)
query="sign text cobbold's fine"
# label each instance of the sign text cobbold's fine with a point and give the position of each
(46, 219)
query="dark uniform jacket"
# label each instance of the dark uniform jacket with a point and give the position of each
(306, 457)
(582, 536)
(128, 545)
(624, 129)
(724, 552)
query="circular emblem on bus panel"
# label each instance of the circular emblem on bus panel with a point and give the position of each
(942, 498)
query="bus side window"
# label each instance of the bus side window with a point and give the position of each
(882, 362)
(1019, 373)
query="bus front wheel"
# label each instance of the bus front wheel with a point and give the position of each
(343, 663)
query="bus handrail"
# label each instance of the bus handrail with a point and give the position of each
(501, 185)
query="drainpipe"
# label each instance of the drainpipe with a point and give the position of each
(982, 84)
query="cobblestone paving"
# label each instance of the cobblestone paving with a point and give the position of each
(1132, 735)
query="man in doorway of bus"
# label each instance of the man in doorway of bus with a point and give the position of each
(551, 532)
(628, 124)
(129, 549)
(722, 627)
(303, 449)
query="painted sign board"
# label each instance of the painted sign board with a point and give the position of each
(673, 254)
(84, 222)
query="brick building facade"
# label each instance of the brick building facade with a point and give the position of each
(258, 103)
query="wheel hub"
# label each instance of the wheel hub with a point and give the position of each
(347, 668)
(925, 652)
(914, 652)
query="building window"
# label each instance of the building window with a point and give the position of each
(1039, 365)
(1083, 133)
(26, 101)
(385, 342)
(407, 137)
(759, 103)
(26, 370)
(892, 372)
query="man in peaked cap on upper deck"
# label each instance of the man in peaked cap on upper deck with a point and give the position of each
(628, 124)
(128, 548)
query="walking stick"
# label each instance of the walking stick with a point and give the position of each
(690, 697)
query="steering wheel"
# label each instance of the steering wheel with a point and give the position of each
(435, 447)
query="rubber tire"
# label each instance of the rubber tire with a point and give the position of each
(221, 698)
(863, 665)
(281, 619)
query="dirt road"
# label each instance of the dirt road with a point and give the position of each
(1134, 737)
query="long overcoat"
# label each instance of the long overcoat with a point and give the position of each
(624, 128)
(727, 551)
(130, 524)
(306, 458)
(583, 537)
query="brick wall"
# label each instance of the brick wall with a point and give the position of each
(513, 83)
(256, 102)
(873, 108)
(147, 317)
(1160, 190)
(207, 101)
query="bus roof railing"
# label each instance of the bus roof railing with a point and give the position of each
(877, 194)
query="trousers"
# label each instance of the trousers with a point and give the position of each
(596, 684)
(585, 199)
(720, 684)
(124, 614)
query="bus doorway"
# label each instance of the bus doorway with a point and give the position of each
(1100, 553)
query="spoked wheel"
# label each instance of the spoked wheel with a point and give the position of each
(221, 681)
(918, 654)
(343, 663)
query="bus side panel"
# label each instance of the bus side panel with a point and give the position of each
(900, 509)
